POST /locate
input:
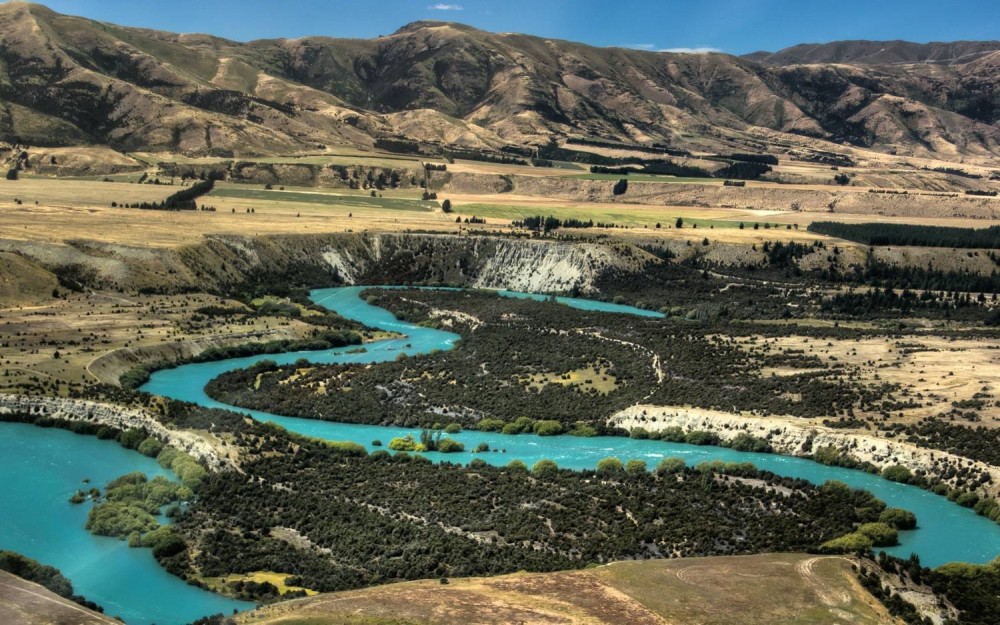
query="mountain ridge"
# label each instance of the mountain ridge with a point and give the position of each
(66, 80)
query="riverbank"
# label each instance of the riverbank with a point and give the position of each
(211, 451)
(789, 438)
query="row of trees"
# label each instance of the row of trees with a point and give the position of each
(910, 235)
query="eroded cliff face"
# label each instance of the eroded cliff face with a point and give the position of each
(211, 452)
(224, 263)
(792, 439)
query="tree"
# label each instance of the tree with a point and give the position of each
(12, 174)
(545, 468)
(679, 223)
(610, 466)
(898, 518)
(446, 206)
(670, 466)
(842, 179)
(635, 467)
(897, 473)
(620, 187)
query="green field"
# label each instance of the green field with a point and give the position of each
(622, 215)
(651, 178)
(328, 199)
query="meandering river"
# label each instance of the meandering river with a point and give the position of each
(42, 468)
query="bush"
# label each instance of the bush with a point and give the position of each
(610, 466)
(517, 465)
(898, 518)
(855, 542)
(545, 469)
(403, 443)
(132, 438)
(449, 446)
(670, 466)
(547, 428)
(635, 467)
(897, 473)
(115, 518)
(881, 534)
(150, 447)
(582, 428)
(701, 437)
(490, 425)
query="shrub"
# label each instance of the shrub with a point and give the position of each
(635, 466)
(150, 447)
(582, 428)
(897, 473)
(701, 437)
(898, 518)
(490, 425)
(449, 446)
(610, 466)
(670, 466)
(854, 542)
(132, 438)
(881, 534)
(545, 468)
(403, 443)
(547, 428)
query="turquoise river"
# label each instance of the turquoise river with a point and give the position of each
(46, 467)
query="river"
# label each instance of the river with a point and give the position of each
(42, 468)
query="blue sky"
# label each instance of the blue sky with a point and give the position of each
(734, 26)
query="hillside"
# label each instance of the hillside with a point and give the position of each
(812, 591)
(67, 80)
(862, 52)
(27, 603)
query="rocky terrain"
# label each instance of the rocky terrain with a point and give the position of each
(205, 448)
(794, 439)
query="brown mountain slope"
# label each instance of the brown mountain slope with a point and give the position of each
(863, 52)
(66, 80)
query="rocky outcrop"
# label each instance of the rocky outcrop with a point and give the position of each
(791, 439)
(223, 262)
(119, 417)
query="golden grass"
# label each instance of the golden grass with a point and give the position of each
(278, 580)
(596, 377)
(764, 589)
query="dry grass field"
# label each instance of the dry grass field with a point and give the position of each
(696, 591)
(931, 371)
(90, 337)
(27, 603)
(51, 209)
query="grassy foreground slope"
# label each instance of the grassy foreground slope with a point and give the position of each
(772, 588)
(26, 603)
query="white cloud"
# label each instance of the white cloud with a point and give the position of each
(652, 47)
(698, 50)
(445, 7)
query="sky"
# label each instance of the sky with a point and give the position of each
(732, 26)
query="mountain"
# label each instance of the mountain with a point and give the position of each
(862, 52)
(67, 80)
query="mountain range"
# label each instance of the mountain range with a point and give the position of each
(68, 80)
